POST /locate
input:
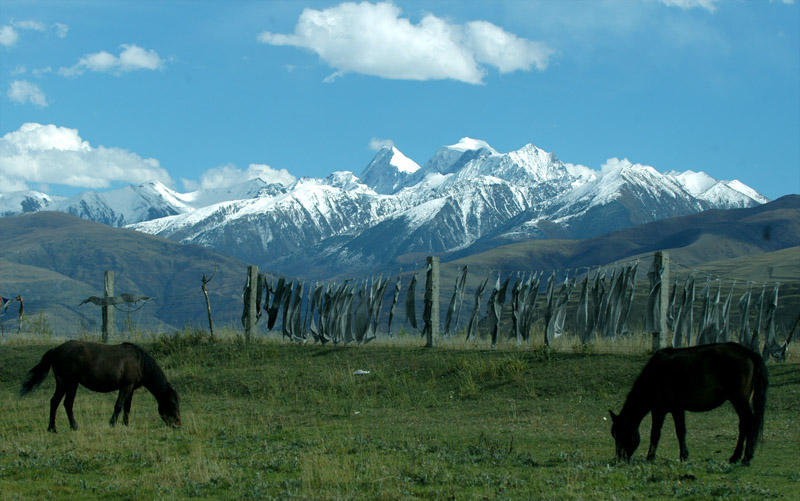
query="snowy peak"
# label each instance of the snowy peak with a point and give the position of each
(535, 165)
(453, 158)
(388, 171)
(722, 194)
(402, 162)
(695, 183)
(19, 202)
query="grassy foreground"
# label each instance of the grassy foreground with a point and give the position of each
(277, 420)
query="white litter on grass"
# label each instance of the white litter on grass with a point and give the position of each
(360, 372)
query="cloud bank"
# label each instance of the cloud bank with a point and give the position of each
(131, 58)
(229, 175)
(48, 154)
(373, 39)
(709, 5)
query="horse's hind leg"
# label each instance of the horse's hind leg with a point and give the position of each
(680, 430)
(655, 433)
(69, 399)
(746, 433)
(54, 402)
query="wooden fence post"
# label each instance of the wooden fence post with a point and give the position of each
(108, 310)
(661, 338)
(432, 295)
(250, 297)
(208, 302)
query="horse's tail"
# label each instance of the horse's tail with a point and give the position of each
(760, 387)
(37, 374)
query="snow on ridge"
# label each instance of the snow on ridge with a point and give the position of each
(402, 162)
(742, 188)
(695, 183)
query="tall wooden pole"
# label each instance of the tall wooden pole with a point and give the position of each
(108, 310)
(661, 338)
(432, 295)
(250, 297)
(208, 306)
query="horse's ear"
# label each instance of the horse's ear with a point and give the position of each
(613, 416)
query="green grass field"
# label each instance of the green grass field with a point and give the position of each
(278, 420)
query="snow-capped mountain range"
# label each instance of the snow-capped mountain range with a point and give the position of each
(467, 195)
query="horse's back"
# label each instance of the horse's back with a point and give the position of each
(701, 378)
(99, 367)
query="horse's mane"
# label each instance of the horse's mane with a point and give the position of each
(150, 369)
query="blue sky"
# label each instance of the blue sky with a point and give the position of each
(209, 93)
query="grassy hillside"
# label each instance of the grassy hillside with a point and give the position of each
(274, 420)
(56, 260)
(714, 235)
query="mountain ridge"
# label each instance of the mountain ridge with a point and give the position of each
(465, 194)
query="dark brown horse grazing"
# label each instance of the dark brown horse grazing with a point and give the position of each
(103, 368)
(695, 379)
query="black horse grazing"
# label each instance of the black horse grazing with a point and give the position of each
(103, 368)
(694, 379)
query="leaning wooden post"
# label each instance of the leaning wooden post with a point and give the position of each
(208, 302)
(432, 296)
(661, 338)
(250, 297)
(108, 310)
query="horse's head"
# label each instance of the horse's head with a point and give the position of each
(625, 436)
(169, 407)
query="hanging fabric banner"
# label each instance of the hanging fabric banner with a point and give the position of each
(723, 336)
(473, 320)
(411, 312)
(397, 286)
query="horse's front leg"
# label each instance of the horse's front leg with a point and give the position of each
(127, 408)
(680, 430)
(655, 432)
(124, 392)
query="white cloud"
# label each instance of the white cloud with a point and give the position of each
(374, 40)
(709, 5)
(8, 36)
(376, 144)
(30, 25)
(37, 153)
(617, 165)
(131, 58)
(61, 30)
(581, 171)
(492, 45)
(229, 175)
(22, 91)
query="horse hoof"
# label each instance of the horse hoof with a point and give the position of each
(52, 430)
